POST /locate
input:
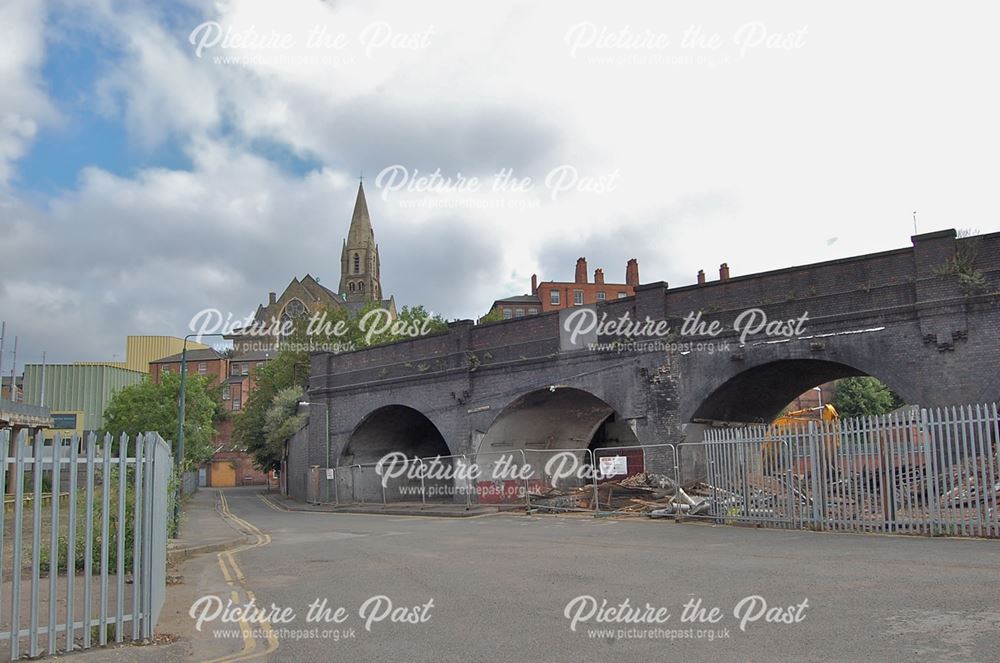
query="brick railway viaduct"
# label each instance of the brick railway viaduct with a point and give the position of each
(903, 316)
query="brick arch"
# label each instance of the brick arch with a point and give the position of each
(390, 428)
(557, 417)
(766, 379)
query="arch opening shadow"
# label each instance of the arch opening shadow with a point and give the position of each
(758, 394)
(394, 429)
(553, 419)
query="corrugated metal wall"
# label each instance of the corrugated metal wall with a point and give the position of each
(140, 350)
(85, 388)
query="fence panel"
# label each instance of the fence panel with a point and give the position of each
(561, 479)
(57, 519)
(635, 479)
(501, 478)
(928, 472)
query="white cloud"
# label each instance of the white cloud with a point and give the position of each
(23, 104)
(756, 160)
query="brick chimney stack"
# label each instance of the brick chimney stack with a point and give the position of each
(581, 270)
(599, 276)
(271, 297)
(724, 271)
(534, 284)
(632, 272)
(701, 276)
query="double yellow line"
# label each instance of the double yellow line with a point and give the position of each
(236, 579)
(271, 504)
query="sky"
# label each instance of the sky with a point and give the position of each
(158, 159)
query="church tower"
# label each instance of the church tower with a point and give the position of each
(359, 261)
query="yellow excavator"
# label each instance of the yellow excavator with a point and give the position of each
(797, 421)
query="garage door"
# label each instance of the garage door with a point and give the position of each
(223, 474)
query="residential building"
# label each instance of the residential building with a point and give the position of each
(555, 295)
(517, 306)
(208, 362)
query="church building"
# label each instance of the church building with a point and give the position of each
(360, 281)
(360, 284)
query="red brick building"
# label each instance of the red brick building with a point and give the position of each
(229, 466)
(555, 295)
(207, 362)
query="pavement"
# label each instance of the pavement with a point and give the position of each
(512, 587)
(203, 529)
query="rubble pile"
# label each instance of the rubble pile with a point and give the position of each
(639, 494)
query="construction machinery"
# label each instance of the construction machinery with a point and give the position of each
(791, 427)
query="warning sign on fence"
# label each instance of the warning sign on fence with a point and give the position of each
(612, 466)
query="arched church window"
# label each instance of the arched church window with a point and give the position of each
(351, 286)
(295, 308)
(357, 263)
(361, 286)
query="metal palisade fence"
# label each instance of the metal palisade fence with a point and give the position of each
(920, 471)
(83, 543)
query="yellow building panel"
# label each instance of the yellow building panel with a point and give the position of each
(140, 350)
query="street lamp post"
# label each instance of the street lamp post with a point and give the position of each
(179, 456)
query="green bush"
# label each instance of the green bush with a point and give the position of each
(80, 535)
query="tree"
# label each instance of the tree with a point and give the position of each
(495, 315)
(290, 368)
(150, 407)
(864, 396)
(281, 421)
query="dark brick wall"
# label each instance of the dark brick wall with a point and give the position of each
(927, 338)
(297, 464)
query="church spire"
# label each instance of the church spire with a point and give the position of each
(361, 224)
(359, 261)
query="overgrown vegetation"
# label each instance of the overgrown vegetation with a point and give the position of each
(268, 417)
(864, 396)
(79, 537)
(496, 315)
(963, 264)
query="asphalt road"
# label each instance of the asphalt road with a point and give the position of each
(500, 585)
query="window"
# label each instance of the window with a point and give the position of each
(361, 287)
(202, 367)
(519, 313)
(244, 369)
(258, 366)
(166, 369)
(554, 297)
(351, 286)
(295, 308)
(357, 264)
(63, 421)
(532, 311)
(601, 295)
(622, 295)
(507, 314)
(236, 404)
(225, 392)
(234, 368)
(578, 298)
